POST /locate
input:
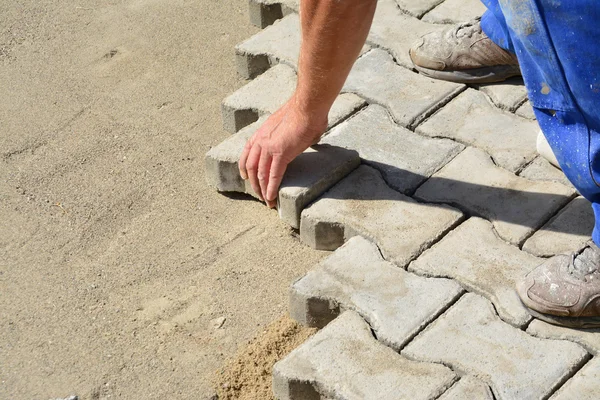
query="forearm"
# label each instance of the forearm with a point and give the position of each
(333, 33)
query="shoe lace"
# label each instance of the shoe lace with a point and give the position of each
(468, 29)
(585, 265)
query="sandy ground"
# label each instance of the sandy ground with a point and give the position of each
(121, 274)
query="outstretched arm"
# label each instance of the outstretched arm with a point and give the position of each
(333, 32)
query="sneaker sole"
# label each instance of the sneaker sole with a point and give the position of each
(569, 322)
(480, 75)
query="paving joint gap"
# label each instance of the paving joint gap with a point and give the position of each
(412, 125)
(411, 193)
(429, 10)
(570, 375)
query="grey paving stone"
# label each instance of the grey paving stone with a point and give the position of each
(268, 92)
(455, 11)
(396, 32)
(584, 385)
(306, 178)
(541, 170)
(483, 263)
(507, 95)
(408, 96)
(525, 111)
(344, 361)
(473, 120)
(470, 338)
(356, 277)
(362, 204)
(569, 231)
(404, 158)
(417, 8)
(265, 12)
(588, 338)
(468, 388)
(516, 206)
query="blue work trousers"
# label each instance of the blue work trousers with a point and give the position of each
(558, 46)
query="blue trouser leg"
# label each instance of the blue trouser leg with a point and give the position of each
(558, 46)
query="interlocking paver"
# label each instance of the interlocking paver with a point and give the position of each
(362, 204)
(584, 385)
(507, 95)
(306, 178)
(404, 158)
(541, 170)
(525, 111)
(470, 337)
(473, 255)
(344, 361)
(408, 96)
(265, 12)
(455, 11)
(569, 231)
(468, 388)
(516, 206)
(472, 119)
(588, 338)
(417, 8)
(268, 92)
(396, 32)
(356, 277)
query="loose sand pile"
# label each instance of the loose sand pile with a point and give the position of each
(248, 375)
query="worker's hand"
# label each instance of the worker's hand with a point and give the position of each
(283, 136)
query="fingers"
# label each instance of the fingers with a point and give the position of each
(252, 169)
(244, 158)
(278, 167)
(264, 165)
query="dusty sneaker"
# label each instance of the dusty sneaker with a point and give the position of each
(463, 54)
(565, 290)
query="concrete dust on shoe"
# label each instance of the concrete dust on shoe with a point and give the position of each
(356, 277)
(345, 361)
(247, 376)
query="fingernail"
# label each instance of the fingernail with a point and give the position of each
(243, 175)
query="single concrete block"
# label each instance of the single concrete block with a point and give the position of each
(569, 231)
(541, 170)
(307, 177)
(356, 277)
(588, 338)
(344, 361)
(455, 12)
(408, 96)
(396, 32)
(516, 206)
(473, 120)
(468, 388)
(483, 263)
(362, 204)
(507, 95)
(470, 338)
(584, 385)
(265, 12)
(417, 8)
(268, 92)
(404, 158)
(279, 42)
(525, 111)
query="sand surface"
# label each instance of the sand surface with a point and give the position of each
(121, 274)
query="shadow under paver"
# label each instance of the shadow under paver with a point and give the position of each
(268, 92)
(471, 119)
(588, 338)
(468, 388)
(408, 96)
(345, 361)
(515, 206)
(474, 256)
(569, 231)
(396, 32)
(306, 178)
(455, 11)
(405, 159)
(471, 338)
(584, 385)
(362, 204)
(395, 303)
